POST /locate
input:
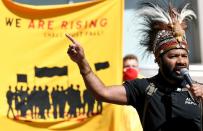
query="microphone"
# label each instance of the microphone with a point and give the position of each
(185, 73)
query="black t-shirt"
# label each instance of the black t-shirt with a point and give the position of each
(168, 109)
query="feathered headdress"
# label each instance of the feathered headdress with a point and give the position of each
(165, 30)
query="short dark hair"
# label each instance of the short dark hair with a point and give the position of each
(130, 56)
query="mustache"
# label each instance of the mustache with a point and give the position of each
(178, 68)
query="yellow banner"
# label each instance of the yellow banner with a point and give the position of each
(41, 88)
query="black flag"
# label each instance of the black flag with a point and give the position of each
(101, 65)
(50, 72)
(22, 78)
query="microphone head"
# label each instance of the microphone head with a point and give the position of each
(184, 71)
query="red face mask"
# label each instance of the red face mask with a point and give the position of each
(130, 74)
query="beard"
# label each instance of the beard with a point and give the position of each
(170, 73)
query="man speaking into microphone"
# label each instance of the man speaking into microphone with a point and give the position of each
(164, 102)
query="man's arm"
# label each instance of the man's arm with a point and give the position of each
(111, 94)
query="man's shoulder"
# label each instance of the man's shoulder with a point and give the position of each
(142, 78)
(139, 83)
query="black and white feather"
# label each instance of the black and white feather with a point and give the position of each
(157, 18)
